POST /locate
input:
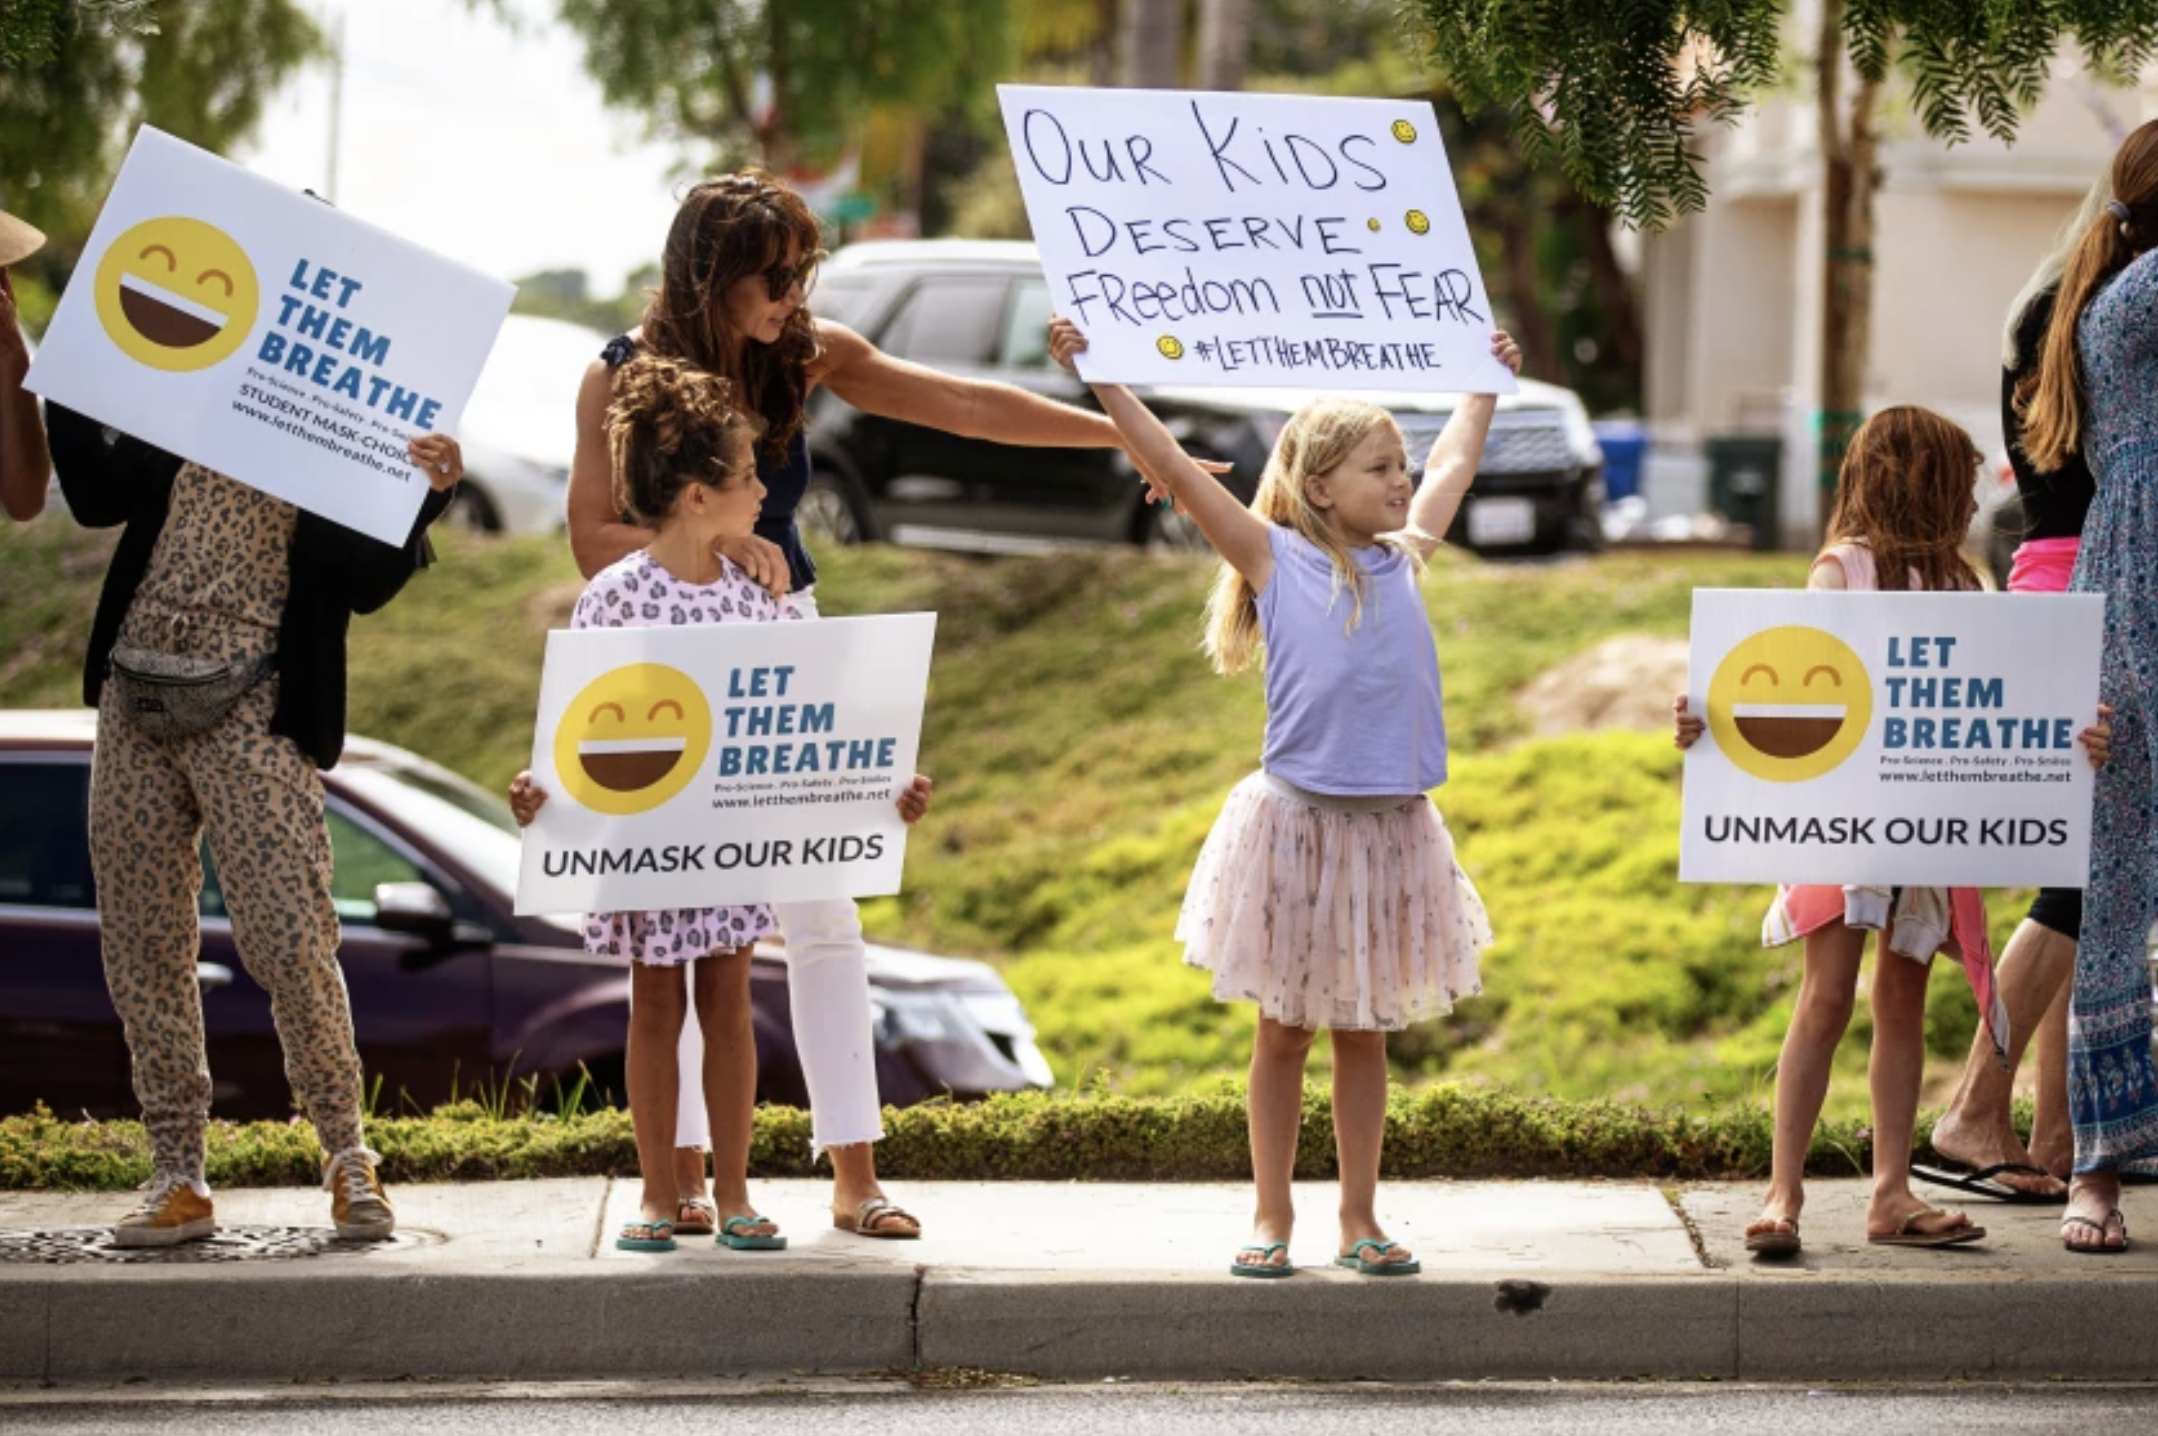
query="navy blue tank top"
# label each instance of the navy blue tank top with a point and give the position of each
(785, 481)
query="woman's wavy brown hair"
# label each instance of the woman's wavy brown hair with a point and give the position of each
(2050, 401)
(670, 425)
(1908, 492)
(727, 229)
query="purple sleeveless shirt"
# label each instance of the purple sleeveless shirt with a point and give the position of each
(1355, 714)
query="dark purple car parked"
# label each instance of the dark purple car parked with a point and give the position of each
(444, 978)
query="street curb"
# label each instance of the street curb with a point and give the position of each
(539, 1323)
(567, 1320)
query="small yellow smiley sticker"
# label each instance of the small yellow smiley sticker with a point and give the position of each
(1419, 222)
(633, 738)
(1405, 132)
(1170, 346)
(1789, 704)
(1372, 225)
(176, 294)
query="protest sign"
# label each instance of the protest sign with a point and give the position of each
(262, 334)
(703, 766)
(1891, 738)
(1224, 238)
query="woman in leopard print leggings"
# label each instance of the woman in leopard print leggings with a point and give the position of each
(209, 569)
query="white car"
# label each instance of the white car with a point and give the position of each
(520, 429)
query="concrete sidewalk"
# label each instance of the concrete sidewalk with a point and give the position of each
(1521, 1280)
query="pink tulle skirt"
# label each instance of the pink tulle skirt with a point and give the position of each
(1327, 918)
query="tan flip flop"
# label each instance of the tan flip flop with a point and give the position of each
(696, 1217)
(1774, 1242)
(863, 1222)
(1903, 1236)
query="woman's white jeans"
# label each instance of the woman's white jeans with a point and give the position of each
(828, 989)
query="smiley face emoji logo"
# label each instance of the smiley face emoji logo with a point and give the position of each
(1789, 704)
(1170, 346)
(176, 294)
(1405, 132)
(1419, 222)
(633, 738)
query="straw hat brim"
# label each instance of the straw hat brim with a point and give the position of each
(18, 241)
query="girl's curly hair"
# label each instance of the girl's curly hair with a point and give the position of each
(672, 424)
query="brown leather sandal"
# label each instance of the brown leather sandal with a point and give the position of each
(871, 1217)
(696, 1217)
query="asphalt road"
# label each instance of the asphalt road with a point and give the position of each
(837, 1409)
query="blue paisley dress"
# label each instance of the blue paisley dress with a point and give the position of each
(638, 593)
(2112, 1087)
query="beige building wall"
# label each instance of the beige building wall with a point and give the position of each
(1731, 296)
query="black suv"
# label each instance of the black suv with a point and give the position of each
(982, 308)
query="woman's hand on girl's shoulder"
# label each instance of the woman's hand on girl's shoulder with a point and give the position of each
(761, 559)
(2097, 740)
(914, 801)
(526, 799)
(1687, 727)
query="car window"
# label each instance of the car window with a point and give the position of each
(1026, 327)
(359, 860)
(44, 835)
(949, 321)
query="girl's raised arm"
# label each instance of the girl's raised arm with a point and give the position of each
(1455, 456)
(1237, 534)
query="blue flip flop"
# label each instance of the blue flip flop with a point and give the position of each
(1363, 1267)
(729, 1237)
(660, 1240)
(1264, 1268)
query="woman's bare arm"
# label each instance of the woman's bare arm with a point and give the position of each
(876, 383)
(597, 535)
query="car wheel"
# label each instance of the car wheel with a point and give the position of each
(829, 510)
(472, 512)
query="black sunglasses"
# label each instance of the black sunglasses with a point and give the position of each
(781, 279)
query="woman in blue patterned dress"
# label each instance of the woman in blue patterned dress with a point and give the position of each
(2096, 394)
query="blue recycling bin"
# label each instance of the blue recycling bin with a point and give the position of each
(1625, 442)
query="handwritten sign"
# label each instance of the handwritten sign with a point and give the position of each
(1886, 738)
(1210, 238)
(704, 766)
(263, 334)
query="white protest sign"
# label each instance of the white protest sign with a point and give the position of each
(265, 335)
(1891, 738)
(702, 766)
(1201, 237)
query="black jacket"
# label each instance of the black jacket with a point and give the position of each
(335, 573)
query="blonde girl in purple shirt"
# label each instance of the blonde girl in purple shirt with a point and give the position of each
(1327, 892)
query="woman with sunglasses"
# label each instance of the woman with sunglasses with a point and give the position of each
(734, 282)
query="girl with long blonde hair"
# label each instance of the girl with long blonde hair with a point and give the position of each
(1328, 892)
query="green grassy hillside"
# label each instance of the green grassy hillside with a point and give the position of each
(1081, 747)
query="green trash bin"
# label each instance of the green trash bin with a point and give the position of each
(1745, 483)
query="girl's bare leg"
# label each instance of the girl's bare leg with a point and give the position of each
(730, 1080)
(657, 1001)
(1275, 1105)
(1825, 1000)
(1359, 1132)
(1898, 1066)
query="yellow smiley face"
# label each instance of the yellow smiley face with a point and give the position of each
(1170, 346)
(1405, 132)
(1372, 225)
(1419, 222)
(633, 738)
(1789, 704)
(176, 294)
